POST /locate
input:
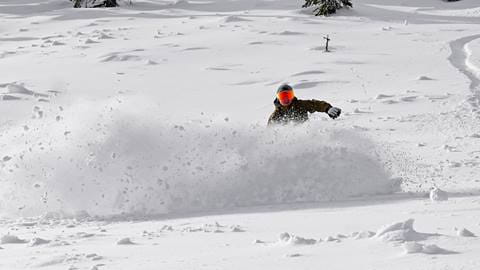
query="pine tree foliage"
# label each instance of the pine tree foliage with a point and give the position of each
(94, 3)
(327, 7)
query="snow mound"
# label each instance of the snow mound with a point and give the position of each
(400, 232)
(464, 232)
(424, 78)
(58, 43)
(125, 241)
(291, 239)
(113, 161)
(11, 239)
(150, 62)
(90, 41)
(38, 241)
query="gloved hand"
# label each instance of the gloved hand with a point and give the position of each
(334, 112)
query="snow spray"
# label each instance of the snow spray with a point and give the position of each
(121, 159)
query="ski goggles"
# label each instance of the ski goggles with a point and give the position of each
(285, 97)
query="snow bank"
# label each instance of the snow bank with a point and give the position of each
(118, 157)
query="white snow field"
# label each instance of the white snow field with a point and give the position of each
(135, 137)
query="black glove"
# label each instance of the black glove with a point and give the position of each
(334, 112)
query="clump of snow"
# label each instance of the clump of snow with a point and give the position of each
(383, 96)
(104, 36)
(90, 41)
(59, 244)
(293, 255)
(11, 239)
(291, 239)
(464, 232)
(331, 239)
(437, 195)
(236, 228)
(84, 235)
(150, 62)
(37, 241)
(125, 241)
(93, 257)
(424, 78)
(57, 43)
(167, 228)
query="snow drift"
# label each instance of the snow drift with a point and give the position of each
(124, 157)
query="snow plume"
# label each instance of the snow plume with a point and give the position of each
(119, 158)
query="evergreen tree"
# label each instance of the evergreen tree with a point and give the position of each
(94, 3)
(77, 3)
(327, 7)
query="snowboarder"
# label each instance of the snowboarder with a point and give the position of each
(290, 109)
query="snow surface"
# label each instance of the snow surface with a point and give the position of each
(135, 137)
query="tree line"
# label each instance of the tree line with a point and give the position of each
(322, 7)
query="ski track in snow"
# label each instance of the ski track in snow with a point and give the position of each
(461, 59)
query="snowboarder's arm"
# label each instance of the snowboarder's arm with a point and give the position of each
(316, 105)
(321, 106)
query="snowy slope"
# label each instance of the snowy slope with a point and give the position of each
(156, 112)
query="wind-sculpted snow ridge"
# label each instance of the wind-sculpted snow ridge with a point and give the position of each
(115, 160)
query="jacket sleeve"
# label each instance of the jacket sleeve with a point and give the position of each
(315, 105)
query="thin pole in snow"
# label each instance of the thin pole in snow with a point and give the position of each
(327, 38)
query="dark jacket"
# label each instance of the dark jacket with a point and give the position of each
(297, 111)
